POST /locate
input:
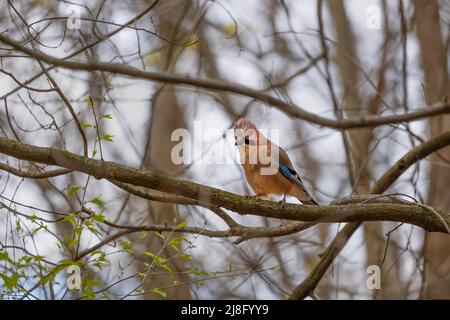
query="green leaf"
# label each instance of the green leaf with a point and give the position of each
(275, 267)
(159, 291)
(94, 230)
(143, 234)
(181, 225)
(79, 230)
(38, 258)
(175, 244)
(73, 190)
(108, 137)
(195, 272)
(167, 268)
(39, 228)
(127, 246)
(156, 259)
(97, 201)
(106, 116)
(87, 125)
(70, 242)
(68, 262)
(186, 257)
(98, 217)
(5, 256)
(104, 296)
(159, 234)
(10, 282)
(71, 218)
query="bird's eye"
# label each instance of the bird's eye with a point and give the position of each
(249, 142)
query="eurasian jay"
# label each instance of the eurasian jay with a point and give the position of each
(253, 147)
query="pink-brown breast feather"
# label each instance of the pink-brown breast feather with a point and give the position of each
(266, 184)
(260, 183)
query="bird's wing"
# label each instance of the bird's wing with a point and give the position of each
(286, 169)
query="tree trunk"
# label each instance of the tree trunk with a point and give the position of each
(359, 141)
(434, 63)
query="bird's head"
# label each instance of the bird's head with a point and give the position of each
(245, 132)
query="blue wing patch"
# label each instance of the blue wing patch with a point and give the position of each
(286, 171)
(293, 176)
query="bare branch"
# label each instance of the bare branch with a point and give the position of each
(408, 213)
(33, 174)
(221, 85)
(382, 184)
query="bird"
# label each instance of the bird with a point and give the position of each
(283, 180)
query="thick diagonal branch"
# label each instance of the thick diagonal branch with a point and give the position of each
(408, 213)
(382, 184)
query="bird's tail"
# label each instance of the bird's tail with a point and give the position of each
(309, 202)
(303, 196)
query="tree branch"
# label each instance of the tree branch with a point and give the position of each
(221, 85)
(408, 213)
(382, 184)
(33, 174)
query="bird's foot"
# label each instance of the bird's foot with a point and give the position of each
(282, 203)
